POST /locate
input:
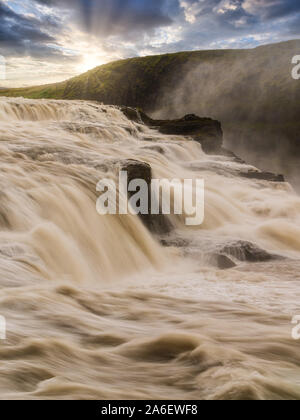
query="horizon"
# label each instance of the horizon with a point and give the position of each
(47, 41)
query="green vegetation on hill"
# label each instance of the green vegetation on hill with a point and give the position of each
(131, 82)
(227, 85)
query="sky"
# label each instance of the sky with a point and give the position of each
(45, 41)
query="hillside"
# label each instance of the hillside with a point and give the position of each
(146, 81)
(250, 91)
(131, 82)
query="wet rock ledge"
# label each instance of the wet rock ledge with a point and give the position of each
(206, 131)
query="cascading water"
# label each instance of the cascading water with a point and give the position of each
(97, 308)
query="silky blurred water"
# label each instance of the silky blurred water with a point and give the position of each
(96, 308)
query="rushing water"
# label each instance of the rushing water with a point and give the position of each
(97, 308)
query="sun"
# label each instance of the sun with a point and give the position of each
(90, 61)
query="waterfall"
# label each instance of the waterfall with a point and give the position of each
(103, 293)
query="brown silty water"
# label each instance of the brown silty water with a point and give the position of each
(96, 308)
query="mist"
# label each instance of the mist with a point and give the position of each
(253, 94)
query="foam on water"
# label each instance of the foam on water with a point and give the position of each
(100, 293)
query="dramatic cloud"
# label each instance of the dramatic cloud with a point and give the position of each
(114, 17)
(20, 33)
(65, 37)
(294, 27)
(270, 9)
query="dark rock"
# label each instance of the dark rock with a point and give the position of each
(159, 223)
(211, 144)
(138, 116)
(190, 117)
(190, 127)
(223, 262)
(246, 251)
(174, 242)
(137, 170)
(264, 176)
(230, 154)
(131, 113)
(205, 131)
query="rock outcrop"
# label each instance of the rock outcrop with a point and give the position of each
(223, 262)
(156, 223)
(209, 134)
(206, 131)
(247, 251)
(264, 176)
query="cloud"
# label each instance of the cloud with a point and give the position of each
(115, 17)
(270, 9)
(294, 25)
(144, 25)
(98, 31)
(21, 34)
